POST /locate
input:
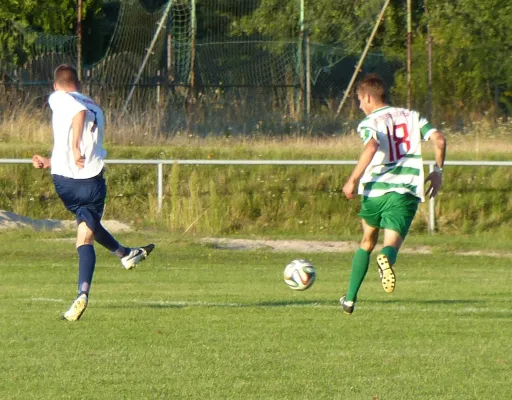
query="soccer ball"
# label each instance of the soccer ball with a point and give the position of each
(299, 274)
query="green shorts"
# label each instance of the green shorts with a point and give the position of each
(393, 211)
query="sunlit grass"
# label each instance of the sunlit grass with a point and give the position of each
(196, 322)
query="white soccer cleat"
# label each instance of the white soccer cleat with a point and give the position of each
(136, 255)
(77, 308)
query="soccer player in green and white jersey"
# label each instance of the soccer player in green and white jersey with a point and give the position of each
(389, 177)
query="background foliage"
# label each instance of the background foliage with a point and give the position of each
(292, 201)
(21, 20)
(471, 63)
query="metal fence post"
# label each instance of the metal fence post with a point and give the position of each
(431, 208)
(160, 189)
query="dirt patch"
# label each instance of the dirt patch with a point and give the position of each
(308, 246)
(302, 246)
(9, 220)
(483, 254)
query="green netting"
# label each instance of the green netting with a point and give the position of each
(231, 53)
(248, 61)
(29, 57)
(179, 42)
(134, 32)
(217, 42)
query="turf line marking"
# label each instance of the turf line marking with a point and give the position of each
(48, 300)
(384, 306)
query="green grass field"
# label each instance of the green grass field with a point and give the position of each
(196, 322)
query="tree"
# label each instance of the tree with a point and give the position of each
(472, 45)
(22, 20)
(343, 22)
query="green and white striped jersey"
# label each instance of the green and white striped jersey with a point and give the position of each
(397, 166)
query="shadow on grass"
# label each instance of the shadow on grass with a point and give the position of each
(421, 302)
(380, 304)
(214, 304)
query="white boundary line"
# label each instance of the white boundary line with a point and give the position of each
(392, 306)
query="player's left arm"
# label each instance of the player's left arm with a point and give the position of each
(436, 177)
(369, 150)
(439, 148)
(77, 126)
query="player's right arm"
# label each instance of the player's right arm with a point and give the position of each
(77, 126)
(369, 150)
(40, 161)
(64, 107)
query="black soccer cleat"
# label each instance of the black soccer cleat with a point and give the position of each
(348, 306)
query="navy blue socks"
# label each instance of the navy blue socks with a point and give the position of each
(86, 264)
(103, 237)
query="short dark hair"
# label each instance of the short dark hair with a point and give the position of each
(373, 85)
(65, 75)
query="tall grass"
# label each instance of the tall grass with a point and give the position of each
(296, 200)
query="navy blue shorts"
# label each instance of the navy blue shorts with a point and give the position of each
(83, 197)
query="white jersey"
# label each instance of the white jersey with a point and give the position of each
(65, 106)
(397, 166)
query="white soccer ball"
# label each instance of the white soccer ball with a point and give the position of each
(299, 274)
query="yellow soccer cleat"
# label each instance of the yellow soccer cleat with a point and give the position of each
(386, 273)
(77, 308)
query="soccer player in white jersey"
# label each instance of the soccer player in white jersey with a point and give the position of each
(77, 169)
(389, 177)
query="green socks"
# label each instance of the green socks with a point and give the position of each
(390, 253)
(360, 264)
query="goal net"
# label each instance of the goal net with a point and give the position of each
(216, 65)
